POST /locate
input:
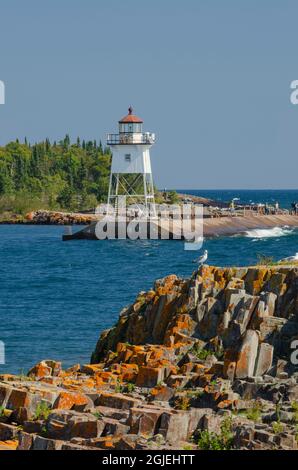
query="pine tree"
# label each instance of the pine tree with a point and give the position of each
(48, 145)
(66, 142)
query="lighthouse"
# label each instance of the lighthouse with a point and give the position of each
(131, 173)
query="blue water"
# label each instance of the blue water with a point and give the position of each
(56, 298)
(271, 196)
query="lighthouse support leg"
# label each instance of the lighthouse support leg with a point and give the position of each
(109, 193)
(145, 194)
(152, 197)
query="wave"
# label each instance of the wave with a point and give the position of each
(291, 258)
(268, 232)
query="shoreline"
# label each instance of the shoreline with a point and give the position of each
(202, 363)
(213, 227)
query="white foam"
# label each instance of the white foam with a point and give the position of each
(268, 232)
(290, 258)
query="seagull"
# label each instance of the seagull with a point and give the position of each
(202, 258)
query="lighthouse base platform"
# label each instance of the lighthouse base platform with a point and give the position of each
(156, 229)
(222, 226)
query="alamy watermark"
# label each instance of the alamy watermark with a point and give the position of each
(294, 354)
(176, 222)
(2, 352)
(2, 92)
(294, 94)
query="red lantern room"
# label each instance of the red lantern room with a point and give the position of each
(130, 123)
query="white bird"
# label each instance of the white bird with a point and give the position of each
(202, 258)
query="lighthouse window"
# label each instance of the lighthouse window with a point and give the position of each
(127, 157)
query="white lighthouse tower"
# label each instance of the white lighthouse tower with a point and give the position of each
(131, 173)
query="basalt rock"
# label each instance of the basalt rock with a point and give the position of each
(190, 356)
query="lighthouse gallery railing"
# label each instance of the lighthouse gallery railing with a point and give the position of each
(135, 138)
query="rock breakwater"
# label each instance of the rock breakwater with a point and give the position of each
(200, 363)
(42, 217)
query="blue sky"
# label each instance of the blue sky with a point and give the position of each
(210, 77)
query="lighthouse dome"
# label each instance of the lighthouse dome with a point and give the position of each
(130, 124)
(130, 117)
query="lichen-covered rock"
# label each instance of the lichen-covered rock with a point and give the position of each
(264, 359)
(247, 355)
(207, 354)
(70, 400)
(150, 376)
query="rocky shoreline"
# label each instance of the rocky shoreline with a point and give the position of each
(194, 364)
(212, 226)
(46, 217)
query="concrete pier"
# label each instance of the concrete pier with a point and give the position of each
(219, 226)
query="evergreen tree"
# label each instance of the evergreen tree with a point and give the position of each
(66, 142)
(47, 145)
(54, 175)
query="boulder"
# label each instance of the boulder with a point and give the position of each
(56, 366)
(264, 359)
(91, 369)
(117, 400)
(114, 413)
(40, 370)
(247, 355)
(43, 443)
(25, 441)
(270, 328)
(276, 284)
(196, 418)
(86, 426)
(245, 311)
(208, 314)
(7, 431)
(150, 376)
(174, 426)
(113, 427)
(270, 301)
(233, 299)
(162, 393)
(19, 398)
(144, 420)
(71, 400)
(211, 423)
(5, 391)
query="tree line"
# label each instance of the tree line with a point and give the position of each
(58, 175)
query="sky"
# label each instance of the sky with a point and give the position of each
(211, 78)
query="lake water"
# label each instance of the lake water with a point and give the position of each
(56, 297)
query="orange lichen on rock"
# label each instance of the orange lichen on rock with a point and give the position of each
(67, 400)
(8, 445)
(179, 360)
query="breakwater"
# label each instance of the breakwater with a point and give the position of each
(225, 226)
(212, 227)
